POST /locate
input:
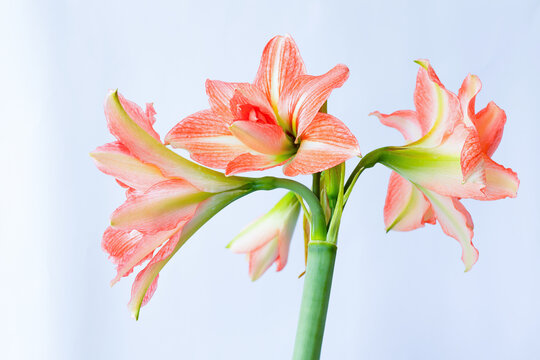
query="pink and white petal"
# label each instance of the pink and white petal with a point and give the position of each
(115, 159)
(262, 258)
(144, 248)
(467, 95)
(145, 283)
(489, 123)
(280, 64)
(456, 222)
(442, 168)
(254, 162)
(405, 121)
(326, 142)
(160, 208)
(438, 109)
(500, 181)
(285, 236)
(145, 119)
(207, 138)
(263, 138)
(118, 243)
(406, 208)
(303, 97)
(150, 150)
(220, 94)
(249, 97)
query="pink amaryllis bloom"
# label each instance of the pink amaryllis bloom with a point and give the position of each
(447, 157)
(274, 121)
(267, 239)
(168, 197)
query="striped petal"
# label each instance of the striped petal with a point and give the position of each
(456, 222)
(406, 208)
(145, 119)
(467, 96)
(220, 94)
(160, 208)
(438, 109)
(280, 63)
(489, 123)
(500, 181)
(454, 168)
(115, 159)
(304, 96)
(208, 139)
(263, 138)
(405, 121)
(326, 142)
(254, 162)
(148, 149)
(250, 103)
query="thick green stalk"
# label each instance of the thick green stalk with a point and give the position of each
(317, 286)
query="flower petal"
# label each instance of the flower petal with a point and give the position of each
(220, 94)
(489, 124)
(254, 162)
(467, 95)
(145, 119)
(456, 222)
(208, 139)
(162, 207)
(262, 258)
(438, 109)
(406, 208)
(264, 138)
(148, 149)
(327, 142)
(145, 283)
(500, 181)
(405, 121)
(454, 168)
(280, 63)
(115, 159)
(249, 98)
(304, 96)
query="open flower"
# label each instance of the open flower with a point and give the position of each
(267, 239)
(274, 121)
(448, 157)
(167, 196)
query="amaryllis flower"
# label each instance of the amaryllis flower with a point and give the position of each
(267, 239)
(274, 121)
(167, 196)
(448, 157)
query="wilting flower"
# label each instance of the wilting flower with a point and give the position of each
(274, 121)
(267, 239)
(448, 157)
(167, 196)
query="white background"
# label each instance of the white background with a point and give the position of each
(395, 296)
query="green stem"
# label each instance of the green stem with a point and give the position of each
(317, 285)
(318, 221)
(368, 161)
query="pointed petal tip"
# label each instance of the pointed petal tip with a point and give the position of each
(423, 63)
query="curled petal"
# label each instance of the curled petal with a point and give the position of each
(208, 139)
(220, 94)
(489, 123)
(249, 100)
(305, 95)
(254, 162)
(280, 63)
(467, 95)
(263, 138)
(406, 208)
(405, 121)
(438, 109)
(150, 150)
(327, 142)
(500, 181)
(456, 222)
(160, 208)
(145, 119)
(115, 159)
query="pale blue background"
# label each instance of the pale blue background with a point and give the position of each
(395, 296)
